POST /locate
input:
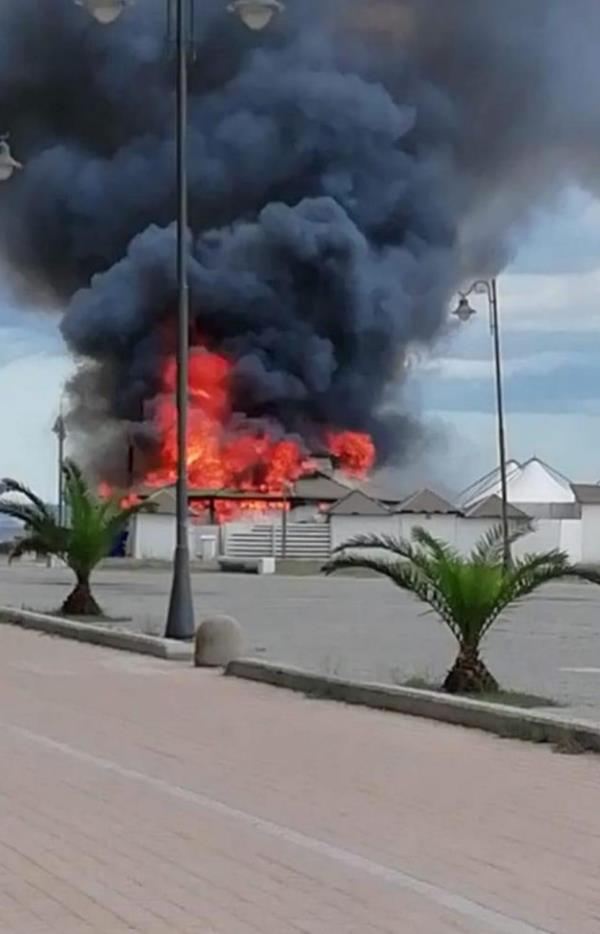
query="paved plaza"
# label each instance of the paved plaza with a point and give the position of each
(145, 796)
(356, 627)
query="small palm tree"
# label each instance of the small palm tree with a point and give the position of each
(94, 524)
(467, 593)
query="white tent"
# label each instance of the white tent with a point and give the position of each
(545, 495)
(533, 482)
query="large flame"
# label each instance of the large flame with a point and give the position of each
(224, 456)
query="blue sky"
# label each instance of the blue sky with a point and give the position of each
(550, 310)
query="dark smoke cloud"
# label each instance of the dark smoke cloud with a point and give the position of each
(348, 169)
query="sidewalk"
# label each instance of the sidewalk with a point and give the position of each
(140, 795)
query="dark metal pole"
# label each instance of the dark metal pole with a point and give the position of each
(61, 460)
(60, 432)
(501, 433)
(180, 620)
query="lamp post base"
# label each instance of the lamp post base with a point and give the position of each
(180, 618)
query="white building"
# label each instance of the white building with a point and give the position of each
(588, 499)
(324, 511)
(358, 514)
(564, 515)
(152, 534)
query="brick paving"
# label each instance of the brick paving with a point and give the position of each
(140, 795)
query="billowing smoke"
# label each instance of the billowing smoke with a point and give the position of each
(347, 169)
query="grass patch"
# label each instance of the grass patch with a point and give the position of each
(508, 698)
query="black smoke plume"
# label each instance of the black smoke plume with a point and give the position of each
(348, 168)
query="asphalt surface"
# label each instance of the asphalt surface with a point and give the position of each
(355, 627)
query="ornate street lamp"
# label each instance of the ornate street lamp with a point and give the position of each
(464, 312)
(256, 14)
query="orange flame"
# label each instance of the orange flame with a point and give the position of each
(243, 461)
(355, 451)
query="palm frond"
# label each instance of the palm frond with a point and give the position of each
(26, 513)
(7, 485)
(583, 574)
(438, 549)
(403, 575)
(468, 594)
(490, 547)
(30, 544)
(397, 546)
(527, 575)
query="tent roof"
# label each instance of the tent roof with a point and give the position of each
(531, 482)
(479, 488)
(357, 503)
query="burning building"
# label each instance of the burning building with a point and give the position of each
(347, 171)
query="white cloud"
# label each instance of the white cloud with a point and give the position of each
(462, 368)
(551, 302)
(29, 393)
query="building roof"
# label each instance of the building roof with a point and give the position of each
(376, 489)
(490, 481)
(426, 501)
(531, 482)
(357, 503)
(491, 508)
(164, 501)
(587, 493)
(319, 488)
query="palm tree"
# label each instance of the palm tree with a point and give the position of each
(94, 524)
(468, 594)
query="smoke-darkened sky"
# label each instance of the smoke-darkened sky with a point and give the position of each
(348, 171)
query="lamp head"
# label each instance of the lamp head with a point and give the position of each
(104, 11)
(464, 311)
(256, 14)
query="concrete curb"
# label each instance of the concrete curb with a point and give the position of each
(509, 722)
(99, 635)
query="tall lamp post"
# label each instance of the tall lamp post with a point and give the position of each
(256, 15)
(60, 431)
(464, 312)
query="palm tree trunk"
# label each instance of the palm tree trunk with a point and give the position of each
(469, 675)
(80, 601)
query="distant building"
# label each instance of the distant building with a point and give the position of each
(324, 509)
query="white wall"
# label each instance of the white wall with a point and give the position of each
(544, 536)
(590, 544)
(461, 533)
(153, 537)
(343, 528)
(443, 527)
(571, 539)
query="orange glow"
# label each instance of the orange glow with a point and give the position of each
(105, 491)
(355, 451)
(239, 460)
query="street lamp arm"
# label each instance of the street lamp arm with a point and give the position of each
(480, 286)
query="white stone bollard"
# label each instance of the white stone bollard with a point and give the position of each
(266, 565)
(218, 641)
